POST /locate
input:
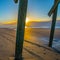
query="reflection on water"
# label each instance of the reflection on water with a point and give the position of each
(42, 34)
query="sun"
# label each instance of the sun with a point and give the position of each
(27, 20)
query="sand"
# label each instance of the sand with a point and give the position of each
(33, 48)
(43, 34)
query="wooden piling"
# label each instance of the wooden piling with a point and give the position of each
(20, 29)
(53, 26)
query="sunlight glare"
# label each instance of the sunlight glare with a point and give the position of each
(27, 20)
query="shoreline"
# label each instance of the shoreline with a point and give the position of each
(32, 46)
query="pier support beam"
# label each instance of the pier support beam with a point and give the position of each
(53, 26)
(20, 29)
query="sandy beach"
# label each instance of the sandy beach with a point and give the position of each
(35, 44)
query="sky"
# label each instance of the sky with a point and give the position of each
(37, 10)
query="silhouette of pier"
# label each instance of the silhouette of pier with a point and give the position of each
(16, 50)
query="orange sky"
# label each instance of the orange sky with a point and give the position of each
(37, 11)
(14, 22)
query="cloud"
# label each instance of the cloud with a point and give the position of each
(10, 23)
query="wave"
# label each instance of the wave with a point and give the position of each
(57, 27)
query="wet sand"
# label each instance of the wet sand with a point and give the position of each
(33, 49)
(43, 34)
